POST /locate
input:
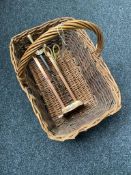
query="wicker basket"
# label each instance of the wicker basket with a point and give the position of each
(82, 66)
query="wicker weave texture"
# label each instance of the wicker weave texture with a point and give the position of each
(82, 66)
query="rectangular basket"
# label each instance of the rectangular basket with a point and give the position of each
(82, 66)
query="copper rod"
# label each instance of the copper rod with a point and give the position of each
(61, 75)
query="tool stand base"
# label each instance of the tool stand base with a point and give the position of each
(72, 107)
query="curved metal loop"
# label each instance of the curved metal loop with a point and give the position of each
(53, 52)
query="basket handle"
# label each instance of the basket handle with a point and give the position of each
(53, 32)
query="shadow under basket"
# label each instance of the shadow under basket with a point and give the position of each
(83, 68)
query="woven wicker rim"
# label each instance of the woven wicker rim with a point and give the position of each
(53, 32)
